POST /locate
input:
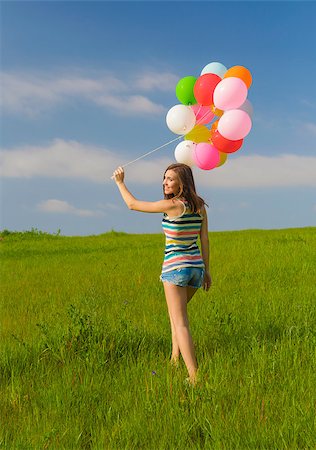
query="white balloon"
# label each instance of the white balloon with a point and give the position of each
(184, 153)
(180, 119)
(215, 67)
(247, 107)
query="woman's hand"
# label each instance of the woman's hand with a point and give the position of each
(118, 175)
(207, 282)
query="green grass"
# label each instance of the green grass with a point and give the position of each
(86, 341)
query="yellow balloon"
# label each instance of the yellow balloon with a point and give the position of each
(200, 133)
(222, 159)
(217, 112)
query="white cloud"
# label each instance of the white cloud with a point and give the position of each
(60, 159)
(130, 104)
(310, 127)
(157, 81)
(108, 206)
(71, 159)
(63, 207)
(285, 170)
(32, 93)
(27, 95)
(308, 102)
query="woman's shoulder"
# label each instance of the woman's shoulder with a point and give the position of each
(201, 211)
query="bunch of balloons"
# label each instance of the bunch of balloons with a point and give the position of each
(218, 97)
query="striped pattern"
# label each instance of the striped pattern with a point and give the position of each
(181, 240)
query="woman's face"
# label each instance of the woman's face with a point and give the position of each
(171, 184)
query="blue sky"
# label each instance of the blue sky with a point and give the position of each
(86, 87)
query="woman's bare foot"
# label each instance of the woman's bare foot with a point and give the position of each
(192, 380)
(174, 361)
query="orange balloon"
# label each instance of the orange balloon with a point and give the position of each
(213, 128)
(240, 72)
(217, 112)
(214, 125)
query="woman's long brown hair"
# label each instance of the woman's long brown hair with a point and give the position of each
(187, 187)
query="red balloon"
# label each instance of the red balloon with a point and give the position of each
(225, 145)
(204, 88)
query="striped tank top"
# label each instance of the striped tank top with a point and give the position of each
(181, 240)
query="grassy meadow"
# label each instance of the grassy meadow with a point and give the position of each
(85, 343)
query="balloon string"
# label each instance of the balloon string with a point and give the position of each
(201, 118)
(198, 112)
(167, 143)
(152, 151)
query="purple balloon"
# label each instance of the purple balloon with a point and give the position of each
(230, 93)
(234, 124)
(206, 156)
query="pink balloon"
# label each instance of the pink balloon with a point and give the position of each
(234, 124)
(203, 114)
(230, 93)
(206, 156)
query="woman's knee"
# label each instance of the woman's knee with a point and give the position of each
(182, 324)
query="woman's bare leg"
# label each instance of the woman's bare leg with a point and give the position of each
(176, 298)
(175, 345)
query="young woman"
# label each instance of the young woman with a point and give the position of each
(184, 269)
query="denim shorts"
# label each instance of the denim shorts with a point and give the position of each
(186, 276)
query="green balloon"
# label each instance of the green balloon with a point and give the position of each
(184, 90)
